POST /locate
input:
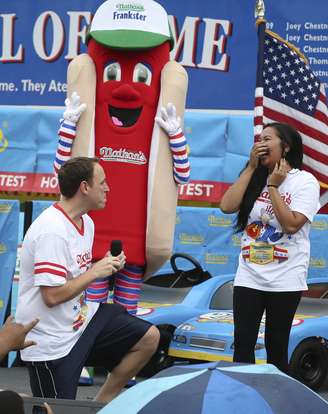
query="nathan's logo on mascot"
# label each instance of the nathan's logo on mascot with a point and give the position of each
(122, 155)
(129, 11)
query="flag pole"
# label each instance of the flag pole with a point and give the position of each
(261, 25)
(258, 109)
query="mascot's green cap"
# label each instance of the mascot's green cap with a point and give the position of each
(128, 24)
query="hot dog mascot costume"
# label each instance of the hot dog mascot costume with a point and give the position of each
(115, 92)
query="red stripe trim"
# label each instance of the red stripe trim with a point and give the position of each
(259, 101)
(80, 230)
(180, 135)
(66, 135)
(65, 153)
(50, 264)
(179, 153)
(51, 271)
(179, 169)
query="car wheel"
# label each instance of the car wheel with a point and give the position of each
(308, 363)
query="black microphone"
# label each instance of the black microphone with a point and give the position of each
(115, 247)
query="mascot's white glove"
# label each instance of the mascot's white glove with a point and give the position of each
(169, 121)
(74, 108)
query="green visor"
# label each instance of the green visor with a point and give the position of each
(130, 39)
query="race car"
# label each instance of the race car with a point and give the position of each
(168, 300)
(208, 336)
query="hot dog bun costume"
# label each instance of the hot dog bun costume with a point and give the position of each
(124, 80)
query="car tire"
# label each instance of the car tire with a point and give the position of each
(308, 363)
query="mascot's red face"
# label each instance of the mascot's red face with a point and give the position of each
(128, 85)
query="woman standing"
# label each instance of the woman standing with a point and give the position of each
(276, 202)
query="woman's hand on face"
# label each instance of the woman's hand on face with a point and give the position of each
(279, 173)
(259, 150)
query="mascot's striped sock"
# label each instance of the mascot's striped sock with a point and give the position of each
(127, 287)
(97, 291)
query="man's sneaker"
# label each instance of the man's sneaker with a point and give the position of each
(86, 377)
(131, 382)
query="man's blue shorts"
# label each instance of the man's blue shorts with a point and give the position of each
(109, 336)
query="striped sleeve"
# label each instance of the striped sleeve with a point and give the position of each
(66, 134)
(50, 260)
(45, 268)
(181, 167)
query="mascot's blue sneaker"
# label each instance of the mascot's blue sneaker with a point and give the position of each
(86, 377)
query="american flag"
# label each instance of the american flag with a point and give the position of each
(288, 91)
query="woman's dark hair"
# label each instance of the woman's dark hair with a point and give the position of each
(290, 138)
(73, 172)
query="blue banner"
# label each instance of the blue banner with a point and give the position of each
(208, 235)
(215, 42)
(9, 219)
(219, 145)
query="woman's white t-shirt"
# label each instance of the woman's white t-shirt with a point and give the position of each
(271, 260)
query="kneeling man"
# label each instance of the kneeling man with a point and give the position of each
(56, 269)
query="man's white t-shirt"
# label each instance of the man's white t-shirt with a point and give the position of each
(54, 251)
(271, 260)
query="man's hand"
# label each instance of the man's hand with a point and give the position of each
(74, 108)
(12, 335)
(108, 265)
(168, 120)
(122, 259)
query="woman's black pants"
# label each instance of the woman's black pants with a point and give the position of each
(248, 308)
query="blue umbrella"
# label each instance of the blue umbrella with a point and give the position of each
(219, 387)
